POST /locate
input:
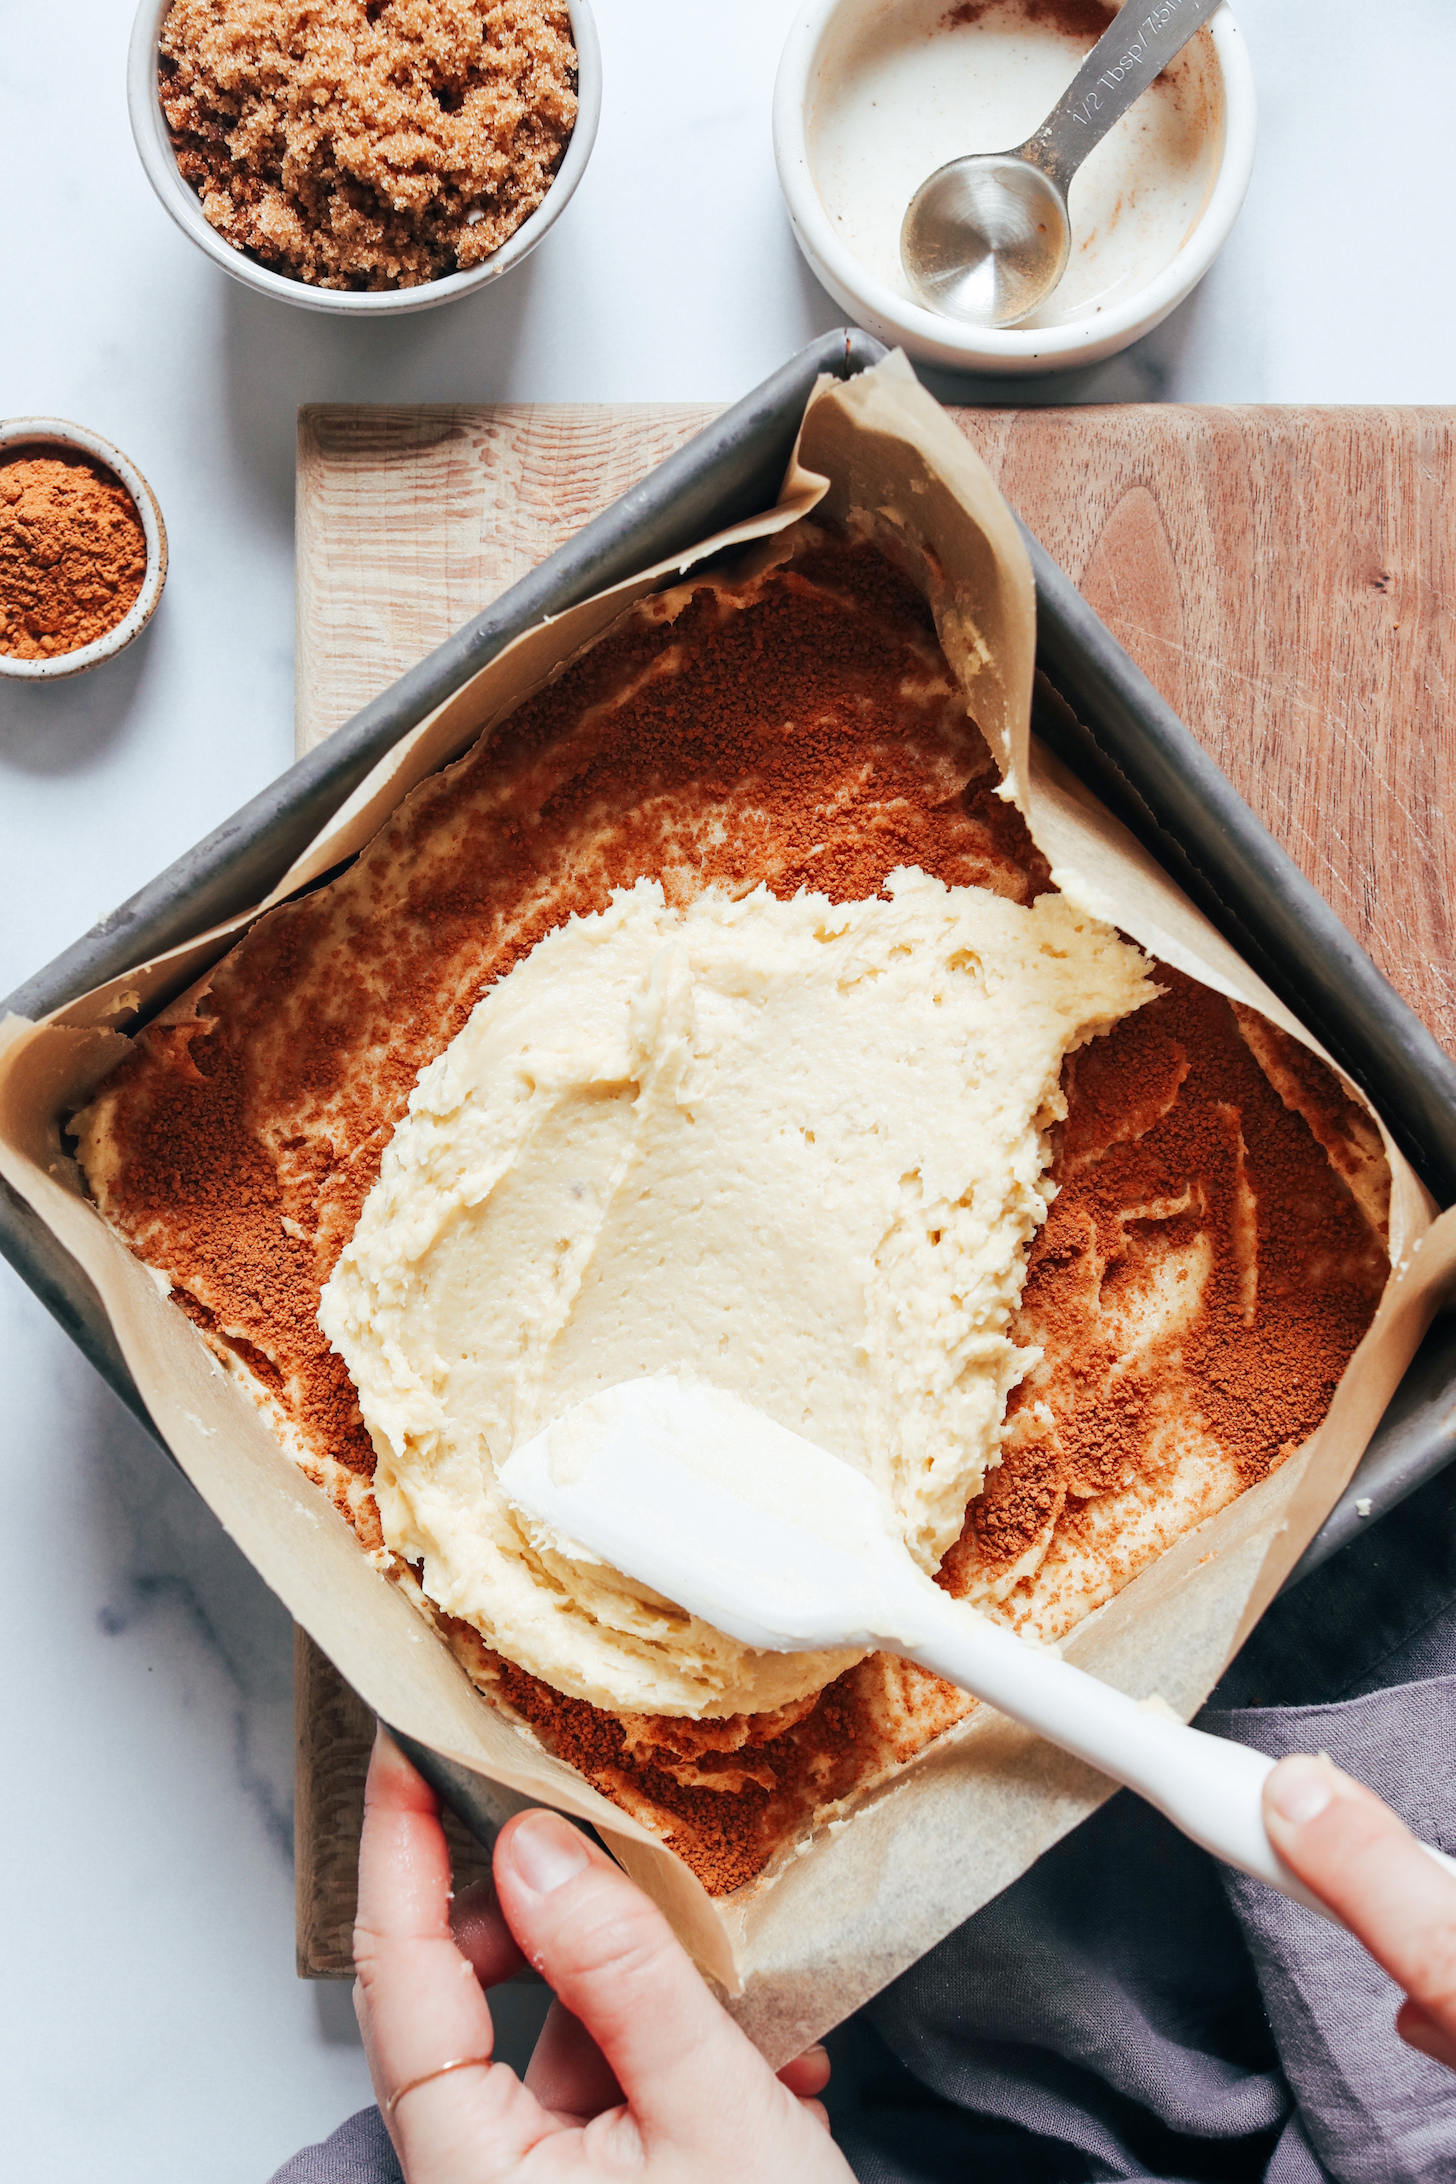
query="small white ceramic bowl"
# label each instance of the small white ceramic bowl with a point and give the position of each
(40, 433)
(149, 127)
(819, 35)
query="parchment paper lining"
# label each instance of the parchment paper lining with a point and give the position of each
(844, 1912)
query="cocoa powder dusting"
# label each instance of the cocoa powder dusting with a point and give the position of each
(798, 728)
(73, 554)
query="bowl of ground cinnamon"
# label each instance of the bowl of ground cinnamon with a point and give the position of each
(83, 549)
(365, 156)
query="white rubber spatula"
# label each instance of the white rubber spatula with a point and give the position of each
(788, 1549)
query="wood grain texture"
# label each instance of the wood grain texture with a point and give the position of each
(409, 521)
(1286, 577)
(333, 1731)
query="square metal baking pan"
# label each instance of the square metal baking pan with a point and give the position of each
(1094, 708)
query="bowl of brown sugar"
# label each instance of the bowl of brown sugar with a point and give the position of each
(83, 549)
(365, 156)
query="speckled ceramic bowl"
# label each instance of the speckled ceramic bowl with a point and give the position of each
(39, 434)
(149, 127)
(821, 33)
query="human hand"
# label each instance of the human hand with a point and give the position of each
(1366, 1865)
(639, 2073)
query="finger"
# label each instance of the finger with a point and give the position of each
(808, 2074)
(1420, 2031)
(419, 2002)
(480, 1933)
(1367, 1866)
(690, 2075)
(568, 2072)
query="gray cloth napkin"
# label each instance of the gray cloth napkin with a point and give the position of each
(1375, 2111)
(1130, 2010)
(1137, 2015)
(359, 2152)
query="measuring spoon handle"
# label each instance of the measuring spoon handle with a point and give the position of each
(1136, 46)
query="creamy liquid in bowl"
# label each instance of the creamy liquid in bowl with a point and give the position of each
(905, 85)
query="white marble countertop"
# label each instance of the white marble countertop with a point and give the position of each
(153, 2026)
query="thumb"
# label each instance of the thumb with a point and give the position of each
(688, 2073)
(1362, 1861)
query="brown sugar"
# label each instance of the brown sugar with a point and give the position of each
(73, 553)
(800, 729)
(368, 144)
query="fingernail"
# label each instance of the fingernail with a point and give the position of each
(1299, 1790)
(547, 1852)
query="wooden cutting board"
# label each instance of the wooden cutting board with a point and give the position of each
(1287, 578)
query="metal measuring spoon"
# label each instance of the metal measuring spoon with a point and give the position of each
(988, 237)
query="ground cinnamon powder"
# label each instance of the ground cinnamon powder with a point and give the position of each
(801, 731)
(73, 553)
(1176, 1147)
(1076, 18)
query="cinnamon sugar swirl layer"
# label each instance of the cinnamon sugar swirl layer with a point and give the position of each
(1203, 1278)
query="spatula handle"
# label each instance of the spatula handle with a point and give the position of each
(1210, 1788)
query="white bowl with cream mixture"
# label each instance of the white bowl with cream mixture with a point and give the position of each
(873, 95)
